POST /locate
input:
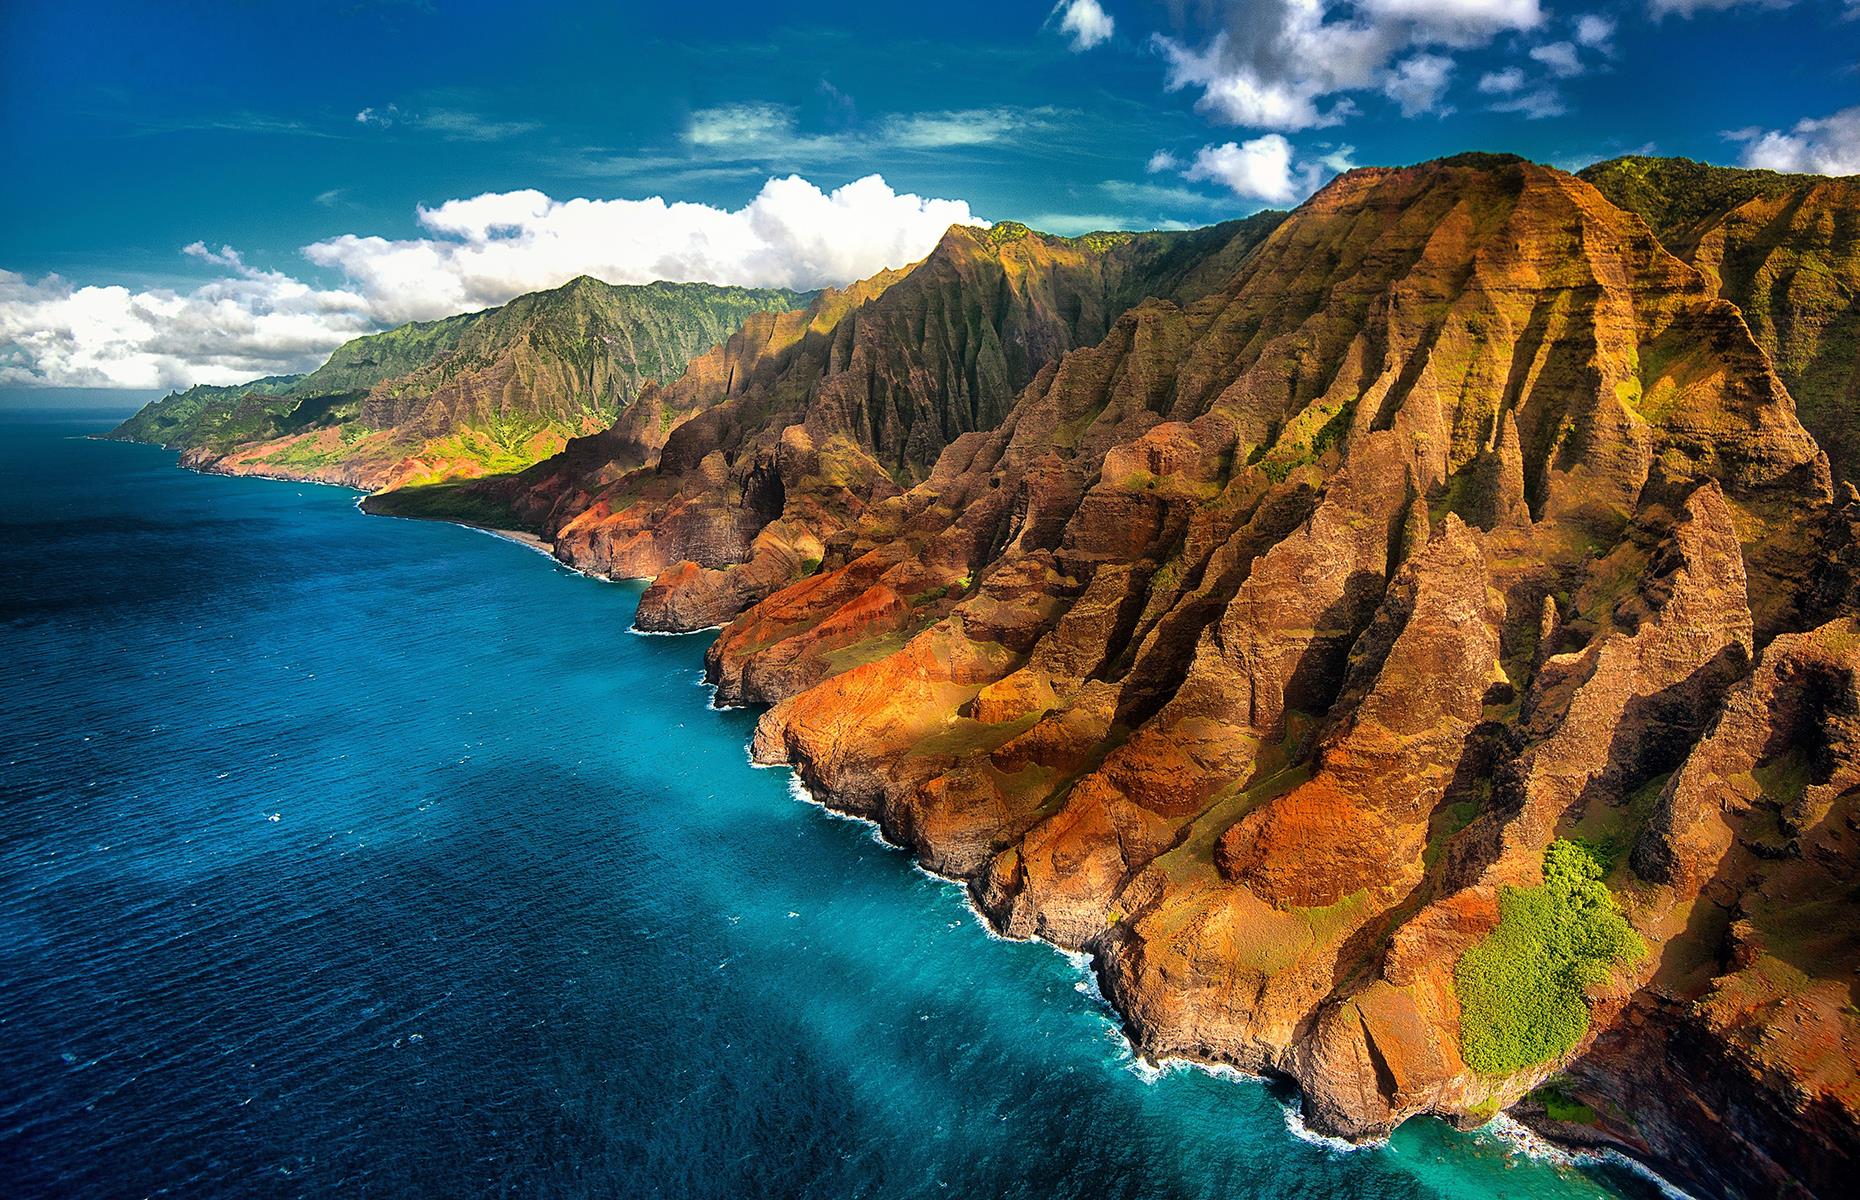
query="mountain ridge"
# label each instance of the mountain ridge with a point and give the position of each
(1786, 250)
(478, 393)
(1410, 642)
(1426, 545)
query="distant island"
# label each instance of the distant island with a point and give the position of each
(1412, 642)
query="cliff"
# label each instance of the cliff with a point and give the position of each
(799, 425)
(1355, 658)
(483, 393)
(1411, 642)
(1786, 250)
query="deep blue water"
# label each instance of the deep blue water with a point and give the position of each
(526, 923)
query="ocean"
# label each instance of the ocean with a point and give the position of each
(348, 856)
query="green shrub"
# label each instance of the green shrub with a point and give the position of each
(1560, 1106)
(1521, 987)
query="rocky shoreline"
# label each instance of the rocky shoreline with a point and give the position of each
(1411, 643)
(1560, 1137)
(1554, 1139)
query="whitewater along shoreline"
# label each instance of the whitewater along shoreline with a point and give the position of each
(1529, 1132)
(1529, 1129)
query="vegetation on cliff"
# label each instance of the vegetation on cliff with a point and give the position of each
(483, 393)
(1523, 988)
(206, 413)
(1290, 613)
(1678, 196)
(1786, 250)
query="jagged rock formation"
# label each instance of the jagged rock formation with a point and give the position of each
(478, 394)
(1261, 608)
(1265, 644)
(800, 425)
(1786, 250)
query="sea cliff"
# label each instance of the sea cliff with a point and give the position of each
(1409, 643)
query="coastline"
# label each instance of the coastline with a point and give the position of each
(1514, 1131)
(523, 538)
(528, 541)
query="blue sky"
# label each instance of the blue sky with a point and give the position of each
(251, 131)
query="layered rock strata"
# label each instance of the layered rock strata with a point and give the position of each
(1265, 644)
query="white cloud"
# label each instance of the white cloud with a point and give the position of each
(732, 125)
(1535, 105)
(1159, 197)
(1596, 31)
(1559, 57)
(961, 127)
(1685, 8)
(761, 131)
(1819, 146)
(225, 256)
(1501, 83)
(1418, 83)
(1339, 159)
(1539, 98)
(473, 253)
(1460, 23)
(1162, 160)
(1086, 22)
(454, 125)
(227, 331)
(1291, 64)
(1260, 169)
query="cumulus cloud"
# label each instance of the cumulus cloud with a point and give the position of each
(472, 253)
(1559, 57)
(1685, 8)
(1264, 169)
(1162, 160)
(1292, 64)
(1418, 83)
(227, 331)
(1501, 83)
(1085, 22)
(1596, 32)
(1818, 146)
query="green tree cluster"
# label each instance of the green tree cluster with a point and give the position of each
(1522, 987)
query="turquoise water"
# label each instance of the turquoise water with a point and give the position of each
(525, 923)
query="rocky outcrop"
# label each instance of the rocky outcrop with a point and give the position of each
(797, 446)
(1264, 646)
(1743, 1038)
(1786, 250)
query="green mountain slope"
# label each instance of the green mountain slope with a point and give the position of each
(1786, 250)
(465, 396)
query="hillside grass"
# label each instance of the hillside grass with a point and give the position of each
(445, 502)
